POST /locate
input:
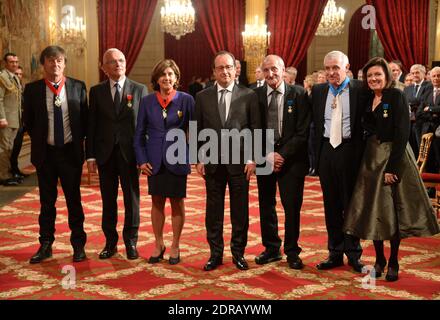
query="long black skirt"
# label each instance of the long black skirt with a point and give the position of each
(382, 212)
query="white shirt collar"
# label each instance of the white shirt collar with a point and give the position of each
(121, 82)
(229, 88)
(281, 89)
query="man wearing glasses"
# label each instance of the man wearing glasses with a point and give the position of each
(114, 106)
(224, 107)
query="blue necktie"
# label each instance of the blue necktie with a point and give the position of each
(58, 127)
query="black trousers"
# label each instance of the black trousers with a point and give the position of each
(60, 164)
(215, 208)
(115, 169)
(18, 142)
(291, 193)
(338, 174)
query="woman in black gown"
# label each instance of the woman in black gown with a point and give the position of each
(389, 201)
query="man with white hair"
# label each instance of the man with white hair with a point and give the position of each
(337, 109)
(114, 106)
(415, 94)
(290, 75)
(430, 109)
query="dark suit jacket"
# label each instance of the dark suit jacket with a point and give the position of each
(106, 127)
(357, 97)
(36, 118)
(409, 92)
(395, 127)
(428, 120)
(292, 145)
(150, 141)
(243, 114)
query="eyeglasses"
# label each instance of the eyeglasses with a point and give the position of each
(227, 68)
(115, 62)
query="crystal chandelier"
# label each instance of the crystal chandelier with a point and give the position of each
(71, 32)
(177, 17)
(256, 39)
(332, 21)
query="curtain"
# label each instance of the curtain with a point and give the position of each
(293, 24)
(222, 22)
(192, 54)
(359, 40)
(124, 25)
(403, 29)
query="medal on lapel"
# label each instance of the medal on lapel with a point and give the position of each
(129, 100)
(385, 110)
(289, 106)
(180, 114)
(58, 102)
(165, 102)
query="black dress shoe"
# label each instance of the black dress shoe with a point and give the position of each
(356, 264)
(108, 252)
(330, 263)
(157, 259)
(240, 263)
(18, 177)
(393, 273)
(132, 253)
(379, 267)
(44, 252)
(11, 182)
(295, 262)
(212, 264)
(79, 254)
(267, 257)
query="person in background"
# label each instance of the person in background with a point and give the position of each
(290, 75)
(10, 117)
(164, 110)
(388, 174)
(18, 141)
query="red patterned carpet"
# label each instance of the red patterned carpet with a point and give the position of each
(119, 278)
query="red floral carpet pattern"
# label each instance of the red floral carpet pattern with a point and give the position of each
(119, 278)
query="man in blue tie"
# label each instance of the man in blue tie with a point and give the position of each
(57, 127)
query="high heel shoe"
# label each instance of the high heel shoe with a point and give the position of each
(393, 273)
(157, 259)
(379, 266)
(173, 261)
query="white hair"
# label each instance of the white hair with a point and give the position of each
(109, 51)
(340, 56)
(435, 69)
(419, 67)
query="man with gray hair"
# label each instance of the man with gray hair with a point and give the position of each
(415, 93)
(337, 109)
(283, 109)
(114, 106)
(290, 75)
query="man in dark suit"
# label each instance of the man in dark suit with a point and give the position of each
(284, 109)
(114, 106)
(55, 115)
(259, 77)
(430, 110)
(226, 106)
(415, 93)
(337, 109)
(240, 78)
